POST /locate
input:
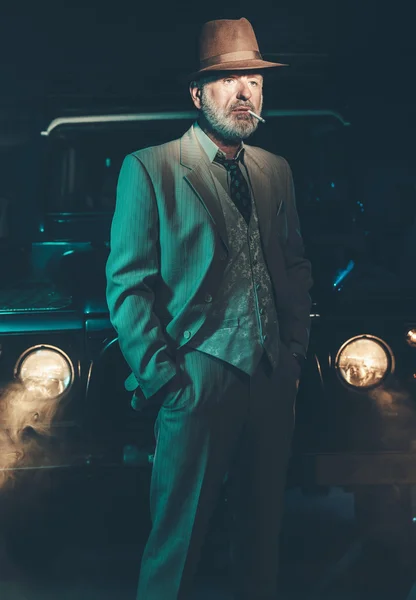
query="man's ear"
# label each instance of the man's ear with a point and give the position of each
(196, 94)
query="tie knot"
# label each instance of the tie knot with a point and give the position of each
(231, 164)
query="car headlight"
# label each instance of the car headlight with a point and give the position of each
(411, 338)
(364, 361)
(45, 370)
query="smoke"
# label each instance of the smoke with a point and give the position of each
(397, 418)
(388, 399)
(26, 416)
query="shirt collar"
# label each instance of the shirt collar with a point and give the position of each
(211, 147)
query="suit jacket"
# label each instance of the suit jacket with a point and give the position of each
(168, 251)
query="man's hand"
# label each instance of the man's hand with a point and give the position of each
(139, 402)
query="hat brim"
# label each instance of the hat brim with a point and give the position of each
(237, 65)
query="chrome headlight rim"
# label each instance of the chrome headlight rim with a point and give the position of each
(55, 349)
(391, 364)
(411, 337)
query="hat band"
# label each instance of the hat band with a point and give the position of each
(230, 57)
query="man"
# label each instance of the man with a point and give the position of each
(208, 290)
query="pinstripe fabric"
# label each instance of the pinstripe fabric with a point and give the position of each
(169, 245)
(223, 422)
(168, 242)
(242, 322)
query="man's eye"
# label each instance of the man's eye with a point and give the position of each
(228, 80)
(255, 83)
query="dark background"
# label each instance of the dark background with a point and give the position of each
(78, 57)
(359, 55)
(71, 57)
(355, 57)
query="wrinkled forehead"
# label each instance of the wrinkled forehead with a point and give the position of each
(218, 75)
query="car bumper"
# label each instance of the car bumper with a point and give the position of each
(349, 469)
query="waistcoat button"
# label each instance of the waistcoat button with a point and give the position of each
(208, 298)
(187, 334)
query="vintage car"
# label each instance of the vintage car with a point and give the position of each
(64, 407)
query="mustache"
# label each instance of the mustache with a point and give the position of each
(241, 105)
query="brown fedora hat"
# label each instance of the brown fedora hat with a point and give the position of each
(228, 45)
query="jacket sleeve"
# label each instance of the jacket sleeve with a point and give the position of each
(132, 270)
(298, 271)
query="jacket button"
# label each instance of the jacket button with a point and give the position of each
(208, 298)
(223, 256)
(187, 334)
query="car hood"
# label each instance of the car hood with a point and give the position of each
(28, 296)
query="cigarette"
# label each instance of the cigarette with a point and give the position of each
(256, 116)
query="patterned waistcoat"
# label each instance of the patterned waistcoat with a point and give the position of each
(242, 322)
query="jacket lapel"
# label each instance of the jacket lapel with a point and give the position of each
(201, 181)
(261, 183)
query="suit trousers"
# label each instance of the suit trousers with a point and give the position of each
(222, 425)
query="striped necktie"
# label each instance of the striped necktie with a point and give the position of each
(239, 189)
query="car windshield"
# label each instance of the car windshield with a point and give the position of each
(342, 202)
(84, 161)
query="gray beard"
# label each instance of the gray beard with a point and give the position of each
(227, 127)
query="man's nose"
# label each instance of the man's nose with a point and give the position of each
(243, 91)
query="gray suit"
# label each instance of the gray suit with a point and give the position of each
(170, 242)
